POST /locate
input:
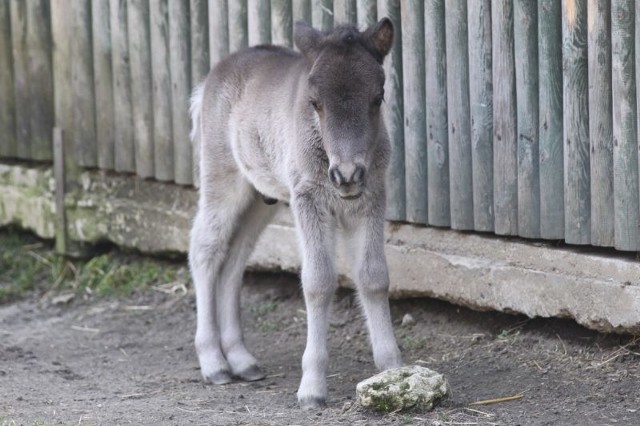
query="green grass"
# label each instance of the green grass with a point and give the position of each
(28, 264)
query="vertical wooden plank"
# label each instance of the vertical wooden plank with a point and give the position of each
(625, 131)
(577, 199)
(123, 130)
(481, 112)
(237, 25)
(7, 106)
(281, 23)
(61, 23)
(103, 83)
(393, 109)
(460, 173)
(322, 14)
(415, 140)
(436, 113)
(550, 120)
(505, 165)
(366, 11)
(40, 79)
(344, 12)
(600, 122)
(218, 31)
(180, 87)
(161, 77)
(199, 59)
(141, 87)
(84, 102)
(259, 21)
(525, 29)
(20, 50)
(301, 10)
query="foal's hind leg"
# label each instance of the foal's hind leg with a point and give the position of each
(218, 215)
(252, 222)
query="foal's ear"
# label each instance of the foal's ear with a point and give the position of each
(380, 38)
(307, 39)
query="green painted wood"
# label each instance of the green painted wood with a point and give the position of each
(301, 10)
(180, 66)
(460, 152)
(600, 123)
(625, 130)
(345, 12)
(7, 106)
(141, 86)
(259, 21)
(550, 120)
(123, 131)
(83, 132)
(40, 68)
(18, 12)
(282, 23)
(481, 112)
(505, 160)
(103, 83)
(238, 38)
(393, 110)
(436, 113)
(415, 141)
(525, 30)
(161, 78)
(322, 14)
(199, 27)
(577, 199)
(366, 11)
(218, 30)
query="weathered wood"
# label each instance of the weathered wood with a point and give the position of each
(436, 113)
(481, 112)
(218, 30)
(460, 173)
(40, 79)
(59, 176)
(21, 78)
(7, 105)
(345, 12)
(366, 12)
(505, 161)
(259, 21)
(415, 140)
(393, 109)
(199, 40)
(83, 132)
(577, 218)
(237, 25)
(600, 123)
(322, 14)
(103, 83)
(141, 87)
(625, 131)
(281, 23)
(180, 87)
(123, 130)
(61, 23)
(525, 29)
(301, 10)
(550, 120)
(161, 77)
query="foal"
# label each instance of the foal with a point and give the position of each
(303, 128)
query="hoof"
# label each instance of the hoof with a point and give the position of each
(312, 403)
(221, 377)
(251, 374)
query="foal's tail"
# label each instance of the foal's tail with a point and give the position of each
(195, 110)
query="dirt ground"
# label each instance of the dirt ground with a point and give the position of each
(132, 361)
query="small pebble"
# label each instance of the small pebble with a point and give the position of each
(408, 320)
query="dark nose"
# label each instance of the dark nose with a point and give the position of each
(338, 179)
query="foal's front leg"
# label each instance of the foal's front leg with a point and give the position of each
(319, 282)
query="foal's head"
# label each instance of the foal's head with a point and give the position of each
(346, 89)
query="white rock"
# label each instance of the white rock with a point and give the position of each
(408, 320)
(403, 388)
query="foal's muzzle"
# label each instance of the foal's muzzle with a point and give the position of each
(348, 179)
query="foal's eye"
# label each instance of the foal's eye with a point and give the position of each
(315, 104)
(377, 101)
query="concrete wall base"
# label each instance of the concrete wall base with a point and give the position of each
(599, 290)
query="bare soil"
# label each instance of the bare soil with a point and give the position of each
(132, 361)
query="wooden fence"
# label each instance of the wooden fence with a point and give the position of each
(508, 116)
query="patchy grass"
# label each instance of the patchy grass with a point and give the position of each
(28, 264)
